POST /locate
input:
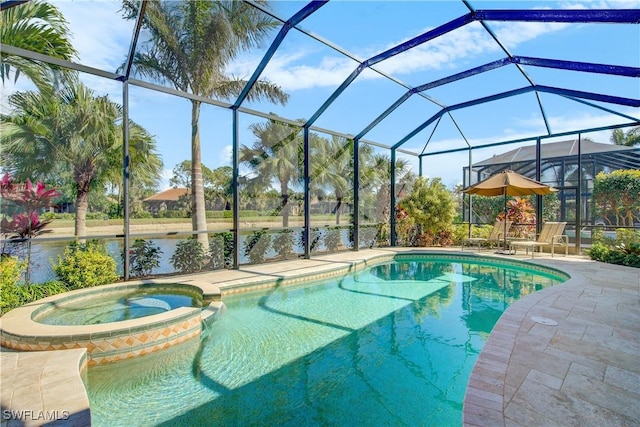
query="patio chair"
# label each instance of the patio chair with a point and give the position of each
(496, 235)
(550, 235)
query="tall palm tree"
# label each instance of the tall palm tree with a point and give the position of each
(190, 45)
(39, 27)
(275, 155)
(630, 138)
(333, 168)
(71, 135)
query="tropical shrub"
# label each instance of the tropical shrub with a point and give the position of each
(521, 212)
(141, 214)
(10, 276)
(431, 207)
(632, 255)
(444, 238)
(35, 291)
(627, 236)
(221, 250)
(315, 239)
(143, 257)
(24, 200)
(14, 293)
(424, 239)
(257, 245)
(615, 196)
(384, 236)
(461, 232)
(485, 208)
(189, 256)
(599, 251)
(624, 250)
(83, 265)
(333, 237)
(54, 215)
(406, 231)
(283, 243)
(175, 213)
(97, 215)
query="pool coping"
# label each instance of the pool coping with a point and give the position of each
(486, 402)
(15, 321)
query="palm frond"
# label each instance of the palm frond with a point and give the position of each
(40, 27)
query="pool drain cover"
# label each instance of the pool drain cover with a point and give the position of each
(544, 321)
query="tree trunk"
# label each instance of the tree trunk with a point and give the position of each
(198, 214)
(82, 205)
(27, 271)
(284, 207)
(338, 208)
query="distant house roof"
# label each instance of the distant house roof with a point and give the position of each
(608, 154)
(170, 195)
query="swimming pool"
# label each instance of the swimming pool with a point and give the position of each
(393, 344)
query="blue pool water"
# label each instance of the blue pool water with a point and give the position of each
(392, 345)
(116, 307)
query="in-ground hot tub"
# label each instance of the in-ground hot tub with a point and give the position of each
(118, 306)
(114, 322)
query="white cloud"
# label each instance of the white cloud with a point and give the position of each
(512, 34)
(226, 155)
(330, 71)
(165, 176)
(99, 33)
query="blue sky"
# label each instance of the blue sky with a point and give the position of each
(309, 72)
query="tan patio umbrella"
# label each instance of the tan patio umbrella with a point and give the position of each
(508, 183)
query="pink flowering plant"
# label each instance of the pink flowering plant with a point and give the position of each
(26, 199)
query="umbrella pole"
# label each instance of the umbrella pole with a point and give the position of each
(504, 233)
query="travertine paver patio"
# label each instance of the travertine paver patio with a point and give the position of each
(44, 388)
(583, 371)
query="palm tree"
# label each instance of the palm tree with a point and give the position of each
(145, 165)
(333, 168)
(39, 27)
(190, 45)
(72, 135)
(275, 155)
(629, 138)
(380, 173)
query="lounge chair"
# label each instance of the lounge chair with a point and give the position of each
(496, 236)
(550, 235)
